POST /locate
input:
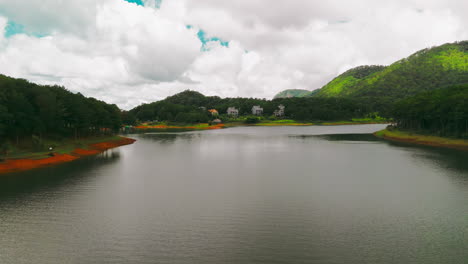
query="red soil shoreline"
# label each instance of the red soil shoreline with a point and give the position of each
(15, 165)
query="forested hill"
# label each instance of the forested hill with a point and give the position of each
(426, 70)
(292, 93)
(191, 107)
(348, 81)
(28, 109)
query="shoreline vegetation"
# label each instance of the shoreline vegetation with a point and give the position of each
(163, 126)
(285, 122)
(72, 150)
(427, 140)
(65, 152)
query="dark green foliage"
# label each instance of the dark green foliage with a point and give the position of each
(252, 120)
(128, 118)
(183, 108)
(362, 72)
(190, 107)
(441, 112)
(323, 109)
(33, 111)
(191, 98)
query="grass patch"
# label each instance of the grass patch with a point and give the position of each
(179, 127)
(284, 123)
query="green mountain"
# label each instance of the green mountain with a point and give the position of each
(348, 80)
(426, 70)
(292, 93)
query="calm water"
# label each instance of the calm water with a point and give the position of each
(243, 195)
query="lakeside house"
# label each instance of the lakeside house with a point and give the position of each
(233, 112)
(213, 112)
(257, 110)
(280, 112)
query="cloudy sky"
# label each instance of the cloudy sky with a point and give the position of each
(136, 51)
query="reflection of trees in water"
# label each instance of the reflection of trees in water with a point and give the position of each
(350, 137)
(450, 159)
(168, 138)
(55, 176)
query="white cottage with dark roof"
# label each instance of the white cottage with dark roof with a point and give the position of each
(257, 110)
(232, 111)
(280, 112)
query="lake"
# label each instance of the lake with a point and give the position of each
(243, 195)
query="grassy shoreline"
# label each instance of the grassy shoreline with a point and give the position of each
(66, 151)
(408, 137)
(205, 126)
(201, 126)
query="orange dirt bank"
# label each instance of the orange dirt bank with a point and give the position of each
(28, 164)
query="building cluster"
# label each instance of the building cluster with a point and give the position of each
(256, 110)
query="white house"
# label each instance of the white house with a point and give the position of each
(257, 110)
(280, 111)
(232, 111)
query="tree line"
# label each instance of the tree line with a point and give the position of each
(191, 107)
(442, 112)
(30, 110)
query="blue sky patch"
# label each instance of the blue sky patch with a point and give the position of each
(13, 28)
(141, 3)
(204, 39)
(138, 2)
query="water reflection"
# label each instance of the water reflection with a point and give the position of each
(18, 183)
(243, 195)
(452, 159)
(350, 137)
(449, 159)
(167, 138)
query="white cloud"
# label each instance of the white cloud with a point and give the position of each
(317, 39)
(128, 47)
(129, 54)
(3, 23)
(49, 16)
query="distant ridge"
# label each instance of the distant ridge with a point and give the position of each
(425, 70)
(292, 93)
